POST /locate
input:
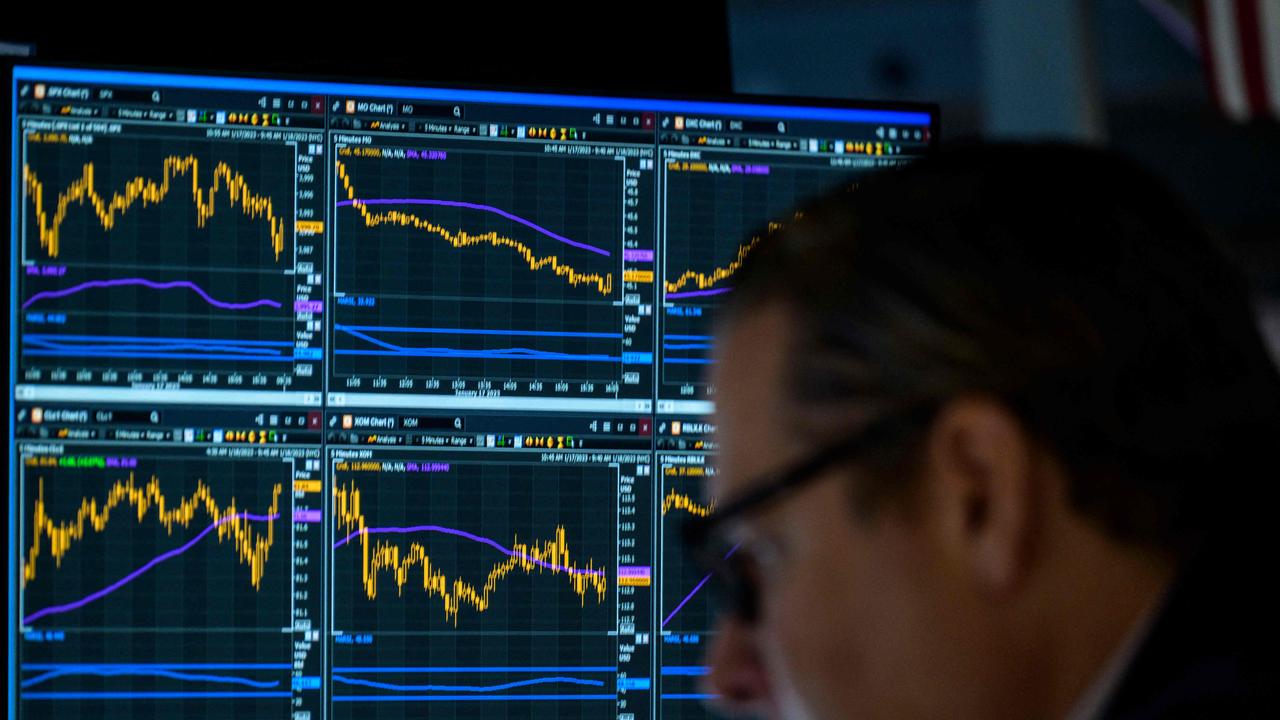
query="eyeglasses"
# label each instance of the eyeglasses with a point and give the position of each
(731, 572)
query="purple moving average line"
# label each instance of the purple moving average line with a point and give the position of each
(48, 294)
(696, 588)
(698, 293)
(687, 598)
(462, 534)
(477, 206)
(59, 609)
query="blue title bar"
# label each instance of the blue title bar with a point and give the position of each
(206, 82)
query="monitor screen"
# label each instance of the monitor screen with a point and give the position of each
(355, 400)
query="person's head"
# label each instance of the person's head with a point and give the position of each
(1064, 389)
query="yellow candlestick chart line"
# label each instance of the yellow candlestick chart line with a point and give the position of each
(705, 281)
(252, 546)
(676, 500)
(600, 282)
(145, 191)
(380, 558)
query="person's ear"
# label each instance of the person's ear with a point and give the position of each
(983, 493)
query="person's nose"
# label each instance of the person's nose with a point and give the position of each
(736, 674)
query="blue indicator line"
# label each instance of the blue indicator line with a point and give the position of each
(148, 672)
(481, 331)
(495, 669)
(467, 688)
(173, 356)
(131, 338)
(688, 361)
(689, 670)
(687, 346)
(162, 695)
(483, 354)
(453, 698)
(366, 338)
(123, 347)
(689, 696)
(516, 353)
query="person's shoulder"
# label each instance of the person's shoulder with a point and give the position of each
(1214, 650)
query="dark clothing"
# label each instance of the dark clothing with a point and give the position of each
(1214, 650)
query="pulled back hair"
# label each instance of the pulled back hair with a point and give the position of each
(1065, 282)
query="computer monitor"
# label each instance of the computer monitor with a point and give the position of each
(350, 400)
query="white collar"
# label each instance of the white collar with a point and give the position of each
(1090, 705)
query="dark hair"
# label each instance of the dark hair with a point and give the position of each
(1066, 282)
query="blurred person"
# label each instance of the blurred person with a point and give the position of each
(997, 440)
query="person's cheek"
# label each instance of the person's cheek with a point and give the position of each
(819, 620)
(797, 637)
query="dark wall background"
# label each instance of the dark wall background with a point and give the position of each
(536, 45)
(1110, 71)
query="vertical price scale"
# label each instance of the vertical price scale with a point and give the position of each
(635, 599)
(308, 556)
